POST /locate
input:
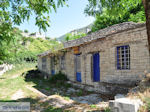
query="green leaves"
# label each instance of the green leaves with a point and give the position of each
(138, 17)
(17, 11)
(116, 11)
(15, 48)
(42, 22)
(70, 36)
(113, 7)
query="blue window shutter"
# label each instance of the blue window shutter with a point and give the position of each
(118, 64)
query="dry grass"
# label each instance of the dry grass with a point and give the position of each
(143, 93)
(13, 81)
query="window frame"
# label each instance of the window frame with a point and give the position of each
(121, 59)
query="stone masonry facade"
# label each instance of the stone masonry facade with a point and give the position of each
(105, 42)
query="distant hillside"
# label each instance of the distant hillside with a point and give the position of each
(85, 29)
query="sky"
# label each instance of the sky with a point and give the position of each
(65, 20)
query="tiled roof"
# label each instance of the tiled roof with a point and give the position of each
(103, 33)
(99, 34)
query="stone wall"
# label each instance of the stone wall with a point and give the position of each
(70, 72)
(139, 56)
(48, 68)
(109, 75)
(135, 37)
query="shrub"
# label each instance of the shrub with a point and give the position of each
(32, 74)
(67, 98)
(80, 93)
(70, 36)
(107, 109)
(93, 106)
(58, 78)
(67, 85)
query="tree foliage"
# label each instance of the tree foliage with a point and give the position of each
(26, 31)
(15, 12)
(105, 18)
(114, 7)
(70, 36)
(24, 48)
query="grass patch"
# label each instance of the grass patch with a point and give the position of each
(9, 86)
(67, 98)
(20, 68)
(93, 106)
(107, 109)
(14, 80)
(11, 81)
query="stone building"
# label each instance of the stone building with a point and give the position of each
(34, 35)
(105, 61)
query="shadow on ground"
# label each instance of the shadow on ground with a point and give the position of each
(52, 87)
(37, 105)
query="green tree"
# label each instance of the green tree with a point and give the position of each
(118, 7)
(114, 7)
(25, 48)
(135, 14)
(70, 36)
(15, 12)
(10, 48)
(26, 31)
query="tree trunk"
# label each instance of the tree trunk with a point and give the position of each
(146, 4)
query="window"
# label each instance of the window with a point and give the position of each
(62, 62)
(44, 63)
(123, 57)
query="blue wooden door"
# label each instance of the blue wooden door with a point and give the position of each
(53, 72)
(78, 68)
(96, 67)
(78, 76)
